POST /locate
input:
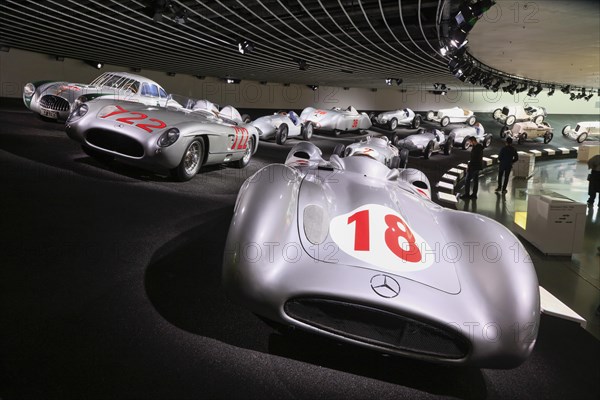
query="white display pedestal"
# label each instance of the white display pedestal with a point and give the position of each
(552, 223)
(587, 151)
(523, 168)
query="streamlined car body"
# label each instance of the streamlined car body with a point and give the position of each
(281, 126)
(583, 131)
(525, 130)
(462, 135)
(179, 139)
(56, 100)
(426, 142)
(509, 115)
(453, 115)
(336, 120)
(395, 118)
(378, 148)
(350, 249)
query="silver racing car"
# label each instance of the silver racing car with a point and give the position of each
(393, 119)
(281, 126)
(378, 148)
(180, 138)
(350, 249)
(336, 120)
(426, 142)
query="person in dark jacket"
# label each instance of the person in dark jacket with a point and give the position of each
(506, 158)
(475, 165)
(594, 179)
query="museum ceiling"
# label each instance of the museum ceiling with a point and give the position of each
(356, 43)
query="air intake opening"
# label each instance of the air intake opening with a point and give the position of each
(115, 142)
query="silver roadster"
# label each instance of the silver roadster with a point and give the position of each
(180, 138)
(393, 119)
(378, 148)
(452, 116)
(56, 100)
(281, 126)
(426, 142)
(350, 249)
(522, 131)
(336, 120)
(462, 135)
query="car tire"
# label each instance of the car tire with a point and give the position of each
(429, 116)
(307, 130)
(487, 141)
(538, 119)
(246, 118)
(339, 150)
(97, 155)
(581, 138)
(497, 113)
(548, 137)
(245, 160)
(445, 122)
(416, 122)
(393, 124)
(522, 138)
(191, 161)
(510, 120)
(403, 158)
(448, 146)
(281, 134)
(428, 150)
(503, 131)
(466, 143)
(471, 120)
(565, 130)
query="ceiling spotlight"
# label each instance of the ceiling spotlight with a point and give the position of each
(95, 64)
(388, 81)
(180, 16)
(399, 81)
(156, 10)
(551, 92)
(373, 89)
(436, 85)
(589, 96)
(302, 64)
(572, 97)
(245, 47)
(286, 84)
(444, 51)
(566, 89)
(443, 87)
(313, 87)
(200, 77)
(232, 80)
(459, 39)
(346, 88)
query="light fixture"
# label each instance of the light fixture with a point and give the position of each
(436, 85)
(95, 64)
(346, 88)
(399, 81)
(200, 77)
(566, 89)
(180, 16)
(286, 84)
(313, 87)
(263, 82)
(245, 47)
(232, 81)
(388, 81)
(551, 92)
(444, 51)
(302, 64)
(573, 97)
(373, 89)
(589, 96)
(171, 73)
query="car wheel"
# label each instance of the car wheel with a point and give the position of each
(522, 138)
(245, 160)
(510, 120)
(581, 138)
(281, 134)
(538, 119)
(428, 150)
(448, 146)
(471, 121)
(429, 116)
(336, 132)
(548, 137)
(192, 160)
(503, 132)
(339, 150)
(566, 129)
(487, 141)
(445, 121)
(497, 113)
(466, 143)
(395, 162)
(246, 118)
(307, 131)
(393, 124)
(97, 155)
(403, 158)
(416, 122)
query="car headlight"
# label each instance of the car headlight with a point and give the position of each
(168, 138)
(29, 90)
(78, 112)
(80, 100)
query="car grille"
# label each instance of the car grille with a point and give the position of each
(378, 327)
(505, 111)
(116, 142)
(54, 103)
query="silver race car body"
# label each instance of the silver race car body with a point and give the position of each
(350, 249)
(452, 116)
(522, 131)
(393, 119)
(281, 126)
(378, 148)
(511, 114)
(336, 120)
(56, 100)
(583, 131)
(462, 135)
(180, 139)
(427, 142)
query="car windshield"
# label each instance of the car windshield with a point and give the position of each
(115, 81)
(577, 128)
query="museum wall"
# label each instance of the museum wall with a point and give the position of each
(17, 67)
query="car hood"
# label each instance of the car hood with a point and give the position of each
(71, 91)
(364, 217)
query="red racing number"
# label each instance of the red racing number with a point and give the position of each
(240, 141)
(137, 116)
(355, 123)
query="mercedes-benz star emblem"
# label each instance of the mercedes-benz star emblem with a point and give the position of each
(385, 286)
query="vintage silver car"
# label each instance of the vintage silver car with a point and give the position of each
(55, 100)
(426, 142)
(462, 135)
(582, 131)
(336, 120)
(395, 118)
(512, 114)
(349, 249)
(522, 131)
(453, 115)
(378, 148)
(281, 126)
(179, 138)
